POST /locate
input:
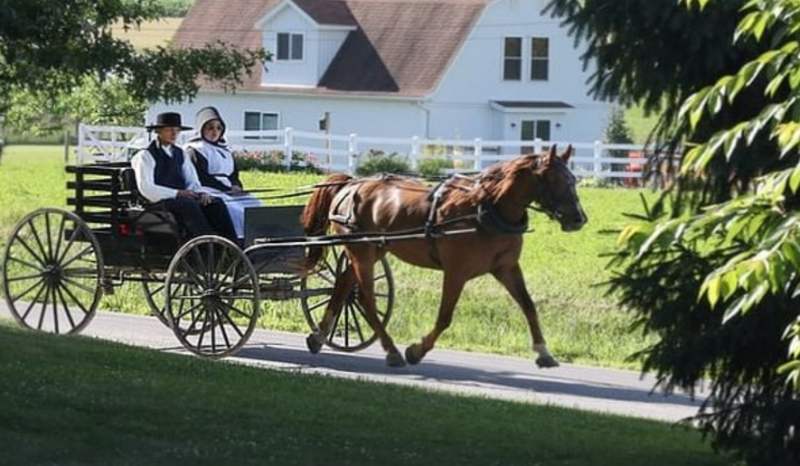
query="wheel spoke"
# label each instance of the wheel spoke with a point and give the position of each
(30, 250)
(75, 298)
(25, 277)
(59, 235)
(235, 309)
(35, 234)
(66, 308)
(77, 284)
(87, 250)
(26, 263)
(38, 282)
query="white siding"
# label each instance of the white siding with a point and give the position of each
(374, 118)
(293, 73)
(475, 78)
(329, 43)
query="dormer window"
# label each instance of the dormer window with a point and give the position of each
(290, 46)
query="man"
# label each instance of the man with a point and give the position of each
(165, 176)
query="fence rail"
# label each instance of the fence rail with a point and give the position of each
(344, 153)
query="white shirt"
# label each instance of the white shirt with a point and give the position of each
(144, 165)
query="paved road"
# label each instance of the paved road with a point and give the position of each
(603, 390)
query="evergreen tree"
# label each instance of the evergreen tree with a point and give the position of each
(713, 267)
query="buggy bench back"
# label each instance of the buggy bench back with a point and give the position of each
(130, 236)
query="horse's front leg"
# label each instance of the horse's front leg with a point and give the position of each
(341, 288)
(514, 282)
(451, 291)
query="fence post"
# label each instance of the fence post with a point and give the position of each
(414, 152)
(287, 146)
(352, 149)
(79, 154)
(478, 151)
(597, 169)
(537, 146)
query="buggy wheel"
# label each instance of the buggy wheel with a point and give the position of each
(52, 272)
(212, 297)
(350, 332)
(153, 286)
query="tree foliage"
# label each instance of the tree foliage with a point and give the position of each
(715, 273)
(52, 46)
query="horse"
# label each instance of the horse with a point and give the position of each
(490, 210)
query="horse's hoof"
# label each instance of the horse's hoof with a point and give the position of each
(412, 354)
(314, 346)
(395, 360)
(545, 362)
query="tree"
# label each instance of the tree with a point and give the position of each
(617, 132)
(52, 46)
(713, 267)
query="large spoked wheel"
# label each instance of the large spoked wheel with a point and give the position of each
(52, 272)
(212, 297)
(351, 331)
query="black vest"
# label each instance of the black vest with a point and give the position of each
(169, 170)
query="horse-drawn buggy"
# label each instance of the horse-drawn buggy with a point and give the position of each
(58, 263)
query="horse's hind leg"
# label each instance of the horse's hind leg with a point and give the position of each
(514, 282)
(451, 291)
(364, 268)
(341, 288)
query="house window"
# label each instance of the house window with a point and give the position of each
(258, 121)
(534, 129)
(290, 46)
(512, 59)
(540, 58)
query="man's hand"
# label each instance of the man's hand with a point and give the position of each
(187, 194)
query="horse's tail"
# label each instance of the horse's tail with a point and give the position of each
(315, 215)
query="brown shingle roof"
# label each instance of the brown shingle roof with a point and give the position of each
(400, 47)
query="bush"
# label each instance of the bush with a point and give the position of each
(275, 161)
(435, 166)
(376, 161)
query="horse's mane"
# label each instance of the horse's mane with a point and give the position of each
(490, 184)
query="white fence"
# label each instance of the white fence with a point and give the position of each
(340, 153)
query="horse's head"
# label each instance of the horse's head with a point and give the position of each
(556, 193)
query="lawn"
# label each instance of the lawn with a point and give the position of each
(565, 273)
(79, 401)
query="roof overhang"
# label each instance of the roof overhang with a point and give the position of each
(530, 106)
(280, 7)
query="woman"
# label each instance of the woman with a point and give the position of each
(216, 167)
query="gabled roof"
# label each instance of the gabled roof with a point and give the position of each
(400, 47)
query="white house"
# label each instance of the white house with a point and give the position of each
(449, 69)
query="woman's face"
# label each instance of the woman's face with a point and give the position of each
(212, 130)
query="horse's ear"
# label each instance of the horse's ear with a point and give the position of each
(565, 156)
(552, 153)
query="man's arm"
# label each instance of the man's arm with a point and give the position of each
(144, 166)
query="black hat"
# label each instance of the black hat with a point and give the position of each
(167, 120)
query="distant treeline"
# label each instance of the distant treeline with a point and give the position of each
(176, 8)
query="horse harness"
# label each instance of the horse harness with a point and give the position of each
(486, 217)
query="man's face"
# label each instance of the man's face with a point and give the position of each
(168, 135)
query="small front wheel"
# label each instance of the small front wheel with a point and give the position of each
(212, 297)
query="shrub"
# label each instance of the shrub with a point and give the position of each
(435, 166)
(274, 161)
(376, 161)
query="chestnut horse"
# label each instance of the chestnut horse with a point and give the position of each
(494, 204)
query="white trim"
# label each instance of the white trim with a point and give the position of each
(278, 8)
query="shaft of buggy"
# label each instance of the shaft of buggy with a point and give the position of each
(352, 238)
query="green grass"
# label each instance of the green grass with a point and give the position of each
(78, 401)
(564, 273)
